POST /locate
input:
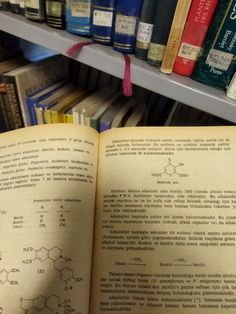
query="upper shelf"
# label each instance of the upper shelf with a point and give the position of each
(106, 59)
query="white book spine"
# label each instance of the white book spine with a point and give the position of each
(231, 90)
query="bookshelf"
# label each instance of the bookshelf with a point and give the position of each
(106, 59)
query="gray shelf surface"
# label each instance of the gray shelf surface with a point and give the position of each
(104, 58)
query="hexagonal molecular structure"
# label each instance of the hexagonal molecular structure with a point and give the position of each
(3, 276)
(27, 304)
(60, 263)
(66, 274)
(54, 303)
(55, 253)
(40, 302)
(170, 170)
(42, 254)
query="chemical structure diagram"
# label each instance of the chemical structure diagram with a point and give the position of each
(6, 278)
(51, 303)
(60, 263)
(171, 170)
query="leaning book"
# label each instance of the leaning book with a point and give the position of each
(134, 220)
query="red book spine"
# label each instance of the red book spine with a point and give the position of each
(197, 24)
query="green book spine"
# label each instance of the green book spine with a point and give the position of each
(217, 64)
(163, 19)
(145, 28)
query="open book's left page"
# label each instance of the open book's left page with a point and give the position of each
(47, 196)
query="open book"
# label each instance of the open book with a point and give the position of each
(134, 220)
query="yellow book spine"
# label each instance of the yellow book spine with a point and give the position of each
(176, 31)
(68, 118)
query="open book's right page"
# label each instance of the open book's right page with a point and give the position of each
(165, 238)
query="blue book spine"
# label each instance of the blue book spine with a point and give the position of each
(126, 25)
(79, 17)
(103, 21)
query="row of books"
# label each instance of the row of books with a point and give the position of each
(59, 90)
(55, 91)
(167, 34)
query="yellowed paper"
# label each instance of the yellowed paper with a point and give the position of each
(165, 222)
(47, 189)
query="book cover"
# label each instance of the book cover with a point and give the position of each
(35, 10)
(79, 17)
(55, 13)
(163, 19)
(32, 78)
(126, 25)
(198, 21)
(216, 64)
(39, 96)
(176, 31)
(145, 28)
(103, 21)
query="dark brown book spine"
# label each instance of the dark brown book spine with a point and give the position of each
(14, 111)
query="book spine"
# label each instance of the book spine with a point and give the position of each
(197, 24)
(14, 6)
(126, 25)
(145, 28)
(231, 89)
(163, 19)
(5, 5)
(55, 13)
(14, 113)
(22, 7)
(34, 10)
(103, 21)
(4, 125)
(67, 118)
(216, 64)
(176, 31)
(79, 17)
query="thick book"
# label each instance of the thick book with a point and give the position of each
(176, 31)
(103, 21)
(126, 24)
(216, 64)
(197, 24)
(145, 28)
(134, 220)
(55, 13)
(79, 17)
(163, 19)
(31, 78)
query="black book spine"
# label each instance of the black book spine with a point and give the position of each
(14, 110)
(163, 19)
(55, 13)
(145, 28)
